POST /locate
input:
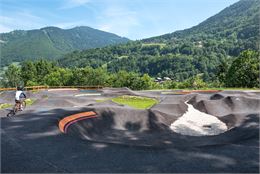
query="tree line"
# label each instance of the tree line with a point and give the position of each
(243, 72)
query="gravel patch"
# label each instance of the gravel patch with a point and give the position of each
(196, 123)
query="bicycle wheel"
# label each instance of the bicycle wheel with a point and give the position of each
(11, 113)
(16, 108)
(23, 105)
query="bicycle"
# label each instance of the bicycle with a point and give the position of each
(16, 108)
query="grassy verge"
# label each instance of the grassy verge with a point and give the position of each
(102, 100)
(29, 101)
(223, 89)
(135, 101)
(5, 105)
(240, 89)
(35, 91)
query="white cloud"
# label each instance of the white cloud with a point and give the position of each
(118, 20)
(20, 20)
(66, 25)
(4, 29)
(73, 3)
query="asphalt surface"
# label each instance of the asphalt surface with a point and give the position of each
(122, 139)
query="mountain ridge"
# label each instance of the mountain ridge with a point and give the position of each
(52, 42)
(185, 53)
(251, 7)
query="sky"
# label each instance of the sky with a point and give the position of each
(134, 19)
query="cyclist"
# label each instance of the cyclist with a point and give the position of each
(19, 96)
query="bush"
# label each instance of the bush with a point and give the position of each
(244, 71)
(170, 84)
(194, 82)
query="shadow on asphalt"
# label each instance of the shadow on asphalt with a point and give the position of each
(32, 142)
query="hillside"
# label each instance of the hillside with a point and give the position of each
(52, 42)
(237, 24)
(182, 54)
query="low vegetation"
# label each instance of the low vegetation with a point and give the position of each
(5, 105)
(135, 101)
(29, 101)
(242, 73)
(103, 100)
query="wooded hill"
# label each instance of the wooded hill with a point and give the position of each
(51, 43)
(182, 54)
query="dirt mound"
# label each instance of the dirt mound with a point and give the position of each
(118, 91)
(176, 110)
(216, 97)
(227, 105)
(123, 125)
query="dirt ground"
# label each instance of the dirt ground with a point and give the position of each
(123, 139)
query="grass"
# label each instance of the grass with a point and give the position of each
(29, 101)
(234, 88)
(135, 101)
(5, 105)
(220, 88)
(35, 91)
(102, 100)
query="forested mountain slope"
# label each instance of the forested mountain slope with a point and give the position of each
(52, 42)
(236, 27)
(182, 54)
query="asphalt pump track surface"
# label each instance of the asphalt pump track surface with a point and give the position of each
(122, 139)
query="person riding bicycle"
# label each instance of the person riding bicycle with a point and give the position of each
(19, 96)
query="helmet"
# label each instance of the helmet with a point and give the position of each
(19, 88)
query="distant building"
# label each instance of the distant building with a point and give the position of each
(199, 44)
(167, 78)
(161, 80)
(158, 78)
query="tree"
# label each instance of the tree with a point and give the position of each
(119, 79)
(193, 82)
(244, 71)
(43, 68)
(60, 77)
(146, 81)
(222, 70)
(98, 77)
(12, 77)
(28, 73)
(197, 82)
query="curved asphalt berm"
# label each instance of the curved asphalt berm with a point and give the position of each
(122, 139)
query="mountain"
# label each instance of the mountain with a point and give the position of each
(52, 42)
(235, 24)
(185, 53)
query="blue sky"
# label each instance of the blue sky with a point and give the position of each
(135, 19)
